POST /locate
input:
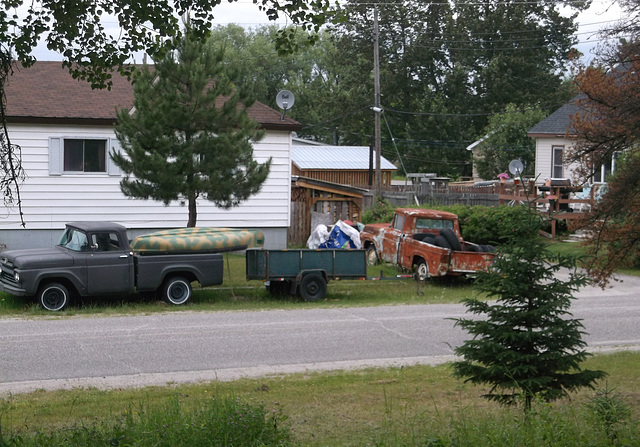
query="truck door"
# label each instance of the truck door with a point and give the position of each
(109, 265)
(391, 240)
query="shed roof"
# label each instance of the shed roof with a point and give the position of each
(47, 93)
(335, 157)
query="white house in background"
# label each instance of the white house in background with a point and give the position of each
(554, 137)
(58, 121)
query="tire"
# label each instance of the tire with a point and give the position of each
(422, 271)
(424, 237)
(53, 297)
(372, 255)
(176, 291)
(489, 248)
(313, 287)
(440, 241)
(452, 239)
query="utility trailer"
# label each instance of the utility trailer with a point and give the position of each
(302, 271)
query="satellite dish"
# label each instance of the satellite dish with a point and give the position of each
(285, 101)
(516, 167)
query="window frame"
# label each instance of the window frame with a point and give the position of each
(554, 162)
(56, 156)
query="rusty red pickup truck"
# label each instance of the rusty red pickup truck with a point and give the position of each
(427, 242)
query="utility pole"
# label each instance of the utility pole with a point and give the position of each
(377, 110)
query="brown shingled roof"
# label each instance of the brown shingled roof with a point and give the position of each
(46, 93)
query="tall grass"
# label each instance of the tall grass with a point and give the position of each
(217, 422)
(410, 406)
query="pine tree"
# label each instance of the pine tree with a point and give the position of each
(525, 343)
(189, 135)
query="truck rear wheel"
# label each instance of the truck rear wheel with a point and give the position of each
(422, 271)
(53, 296)
(176, 290)
(312, 287)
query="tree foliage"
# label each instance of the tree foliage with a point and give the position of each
(525, 344)
(79, 31)
(189, 135)
(506, 139)
(445, 67)
(608, 124)
(91, 49)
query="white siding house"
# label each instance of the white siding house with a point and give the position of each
(46, 107)
(554, 138)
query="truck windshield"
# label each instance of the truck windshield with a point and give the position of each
(434, 224)
(74, 239)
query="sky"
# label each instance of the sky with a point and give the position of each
(245, 13)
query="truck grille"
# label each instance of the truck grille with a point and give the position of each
(6, 276)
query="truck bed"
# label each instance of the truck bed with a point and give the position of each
(208, 268)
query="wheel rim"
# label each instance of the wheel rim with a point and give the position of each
(312, 288)
(178, 292)
(53, 299)
(372, 257)
(423, 271)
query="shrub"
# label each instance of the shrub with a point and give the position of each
(381, 212)
(495, 225)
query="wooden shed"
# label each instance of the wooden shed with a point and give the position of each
(318, 202)
(345, 165)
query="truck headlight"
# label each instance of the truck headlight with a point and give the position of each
(16, 276)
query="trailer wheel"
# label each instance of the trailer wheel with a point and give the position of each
(372, 255)
(422, 270)
(176, 290)
(312, 287)
(53, 296)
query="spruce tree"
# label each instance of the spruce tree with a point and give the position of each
(526, 344)
(189, 134)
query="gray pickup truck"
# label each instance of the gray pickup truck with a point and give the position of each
(93, 259)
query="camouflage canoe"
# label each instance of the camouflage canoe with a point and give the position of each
(200, 240)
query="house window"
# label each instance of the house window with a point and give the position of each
(557, 168)
(75, 155)
(606, 169)
(85, 155)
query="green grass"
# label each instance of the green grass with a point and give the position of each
(409, 406)
(236, 293)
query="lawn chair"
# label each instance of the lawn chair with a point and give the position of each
(585, 194)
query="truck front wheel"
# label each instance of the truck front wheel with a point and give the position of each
(422, 271)
(372, 255)
(53, 296)
(312, 287)
(176, 290)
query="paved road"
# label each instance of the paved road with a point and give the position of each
(104, 352)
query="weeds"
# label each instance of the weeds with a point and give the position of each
(218, 422)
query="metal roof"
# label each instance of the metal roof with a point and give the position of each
(335, 157)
